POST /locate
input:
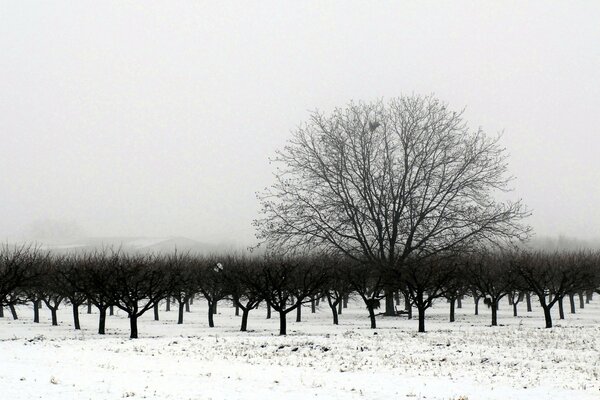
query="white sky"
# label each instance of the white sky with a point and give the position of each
(157, 118)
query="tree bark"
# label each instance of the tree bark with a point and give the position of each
(514, 308)
(211, 306)
(268, 311)
(372, 317)
(547, 316)
(407, 305)
(390, 311)
(89, 306)
(494, 312)
(581, 302)
(345, 299)
(340, 305)
(214, 307)
(13, 311)
(459, 302)
(397, 297)
(54, 317)
(112, 310)
(561, 310)
(313, 305)
(180, 313)
(282, 323)
(299, 313)
(102, 321)
(1, 311)
(245, 314)
(572, 302)
(528, 300)
(36, 311)
(133, 326)
(452, 304)
(187, 306)
(168, 306)
(76, 316)
(156, 311)
(421, 319)
(476, 301)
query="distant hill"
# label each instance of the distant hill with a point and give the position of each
(129, 244)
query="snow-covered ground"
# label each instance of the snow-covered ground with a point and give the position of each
(467, 359)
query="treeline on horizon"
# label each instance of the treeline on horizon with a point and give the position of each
(137, 283)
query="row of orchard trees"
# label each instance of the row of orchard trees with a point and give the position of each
(136, 283)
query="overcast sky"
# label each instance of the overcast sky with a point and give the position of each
(158, 118)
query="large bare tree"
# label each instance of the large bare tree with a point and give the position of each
(383, 181)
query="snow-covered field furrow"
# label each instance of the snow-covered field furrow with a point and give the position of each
(468, 358)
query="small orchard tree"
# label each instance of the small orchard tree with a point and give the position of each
(426, 280)
(492, 275)
(138, 283)
(242, 276)
(552, 276)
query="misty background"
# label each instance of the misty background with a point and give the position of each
(156, 119)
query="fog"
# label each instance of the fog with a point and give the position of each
(157, 118)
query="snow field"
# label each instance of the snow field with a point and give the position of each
(465, 359)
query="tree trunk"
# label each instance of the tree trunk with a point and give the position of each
(156, 311)
(510, 300)
(89, 306)
(515, 308)
(282, 323)
(572, 302)
(345, 299)
(390, 311)
(1, 311)
(299, 313)
(102, 321)
(237, 308)
(528, 300)
(54, 317)
(168, 307)
(133, 325)
(340, 305)
(76, 316)
(187, 306)
(13, 311)
(407, 305)
(397, 297)
(476, 301)
(333, 307)
(214, 307)
(561, 310)
(313, 305)
(459, 302)
(180, 313)
(547, 316)
(494, 312)
(372, 317)
(452, 304)
(421, 319)
(191, 300)
(245, 319)
(268, 311)
(581, 302)
(36, 311)
(211, 306)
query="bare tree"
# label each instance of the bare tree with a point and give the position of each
(379, 182)
(553, 276)
(492, 276)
